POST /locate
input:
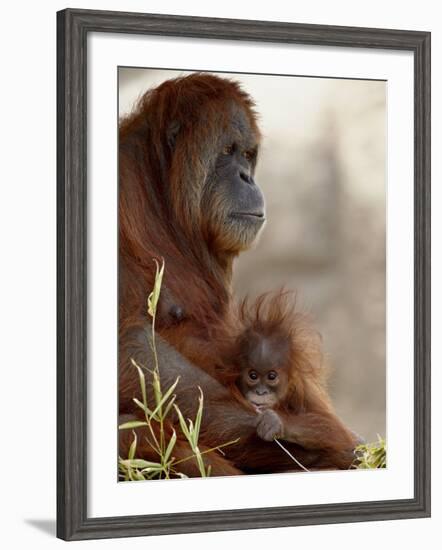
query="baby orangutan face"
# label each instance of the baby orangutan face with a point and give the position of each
(263, 379)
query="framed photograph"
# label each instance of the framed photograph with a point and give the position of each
(243, 274)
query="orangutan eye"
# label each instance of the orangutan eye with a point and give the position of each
(253, 375)
(228, 149)
(272, 375)
(248, 155)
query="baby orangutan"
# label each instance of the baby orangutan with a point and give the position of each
(263, 379)
(265, 358)
(276, 364)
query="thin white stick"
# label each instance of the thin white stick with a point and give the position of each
(290, 455)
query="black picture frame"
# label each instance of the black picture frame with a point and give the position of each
(73, 26)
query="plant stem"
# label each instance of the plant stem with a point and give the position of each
(207, 451)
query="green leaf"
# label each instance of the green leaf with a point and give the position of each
(156, 388)
(199, 415)
(182, 422)
(151, 469)
(170, 447)
(132, 424)
(169, 406)
(200, 461)
(152, 300)
(142, 382)
(140, 463)
(132, 448)
(142, 406)
(165, 397)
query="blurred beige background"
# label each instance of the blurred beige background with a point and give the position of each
(322, 170)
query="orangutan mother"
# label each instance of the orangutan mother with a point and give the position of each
(187, 157)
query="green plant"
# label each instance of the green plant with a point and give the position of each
(161, 440)
(371, 455)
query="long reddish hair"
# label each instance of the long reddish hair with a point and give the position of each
(159, 199)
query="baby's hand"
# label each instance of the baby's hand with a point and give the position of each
(259, 408)
(269, 425)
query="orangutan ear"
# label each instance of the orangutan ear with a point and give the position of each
(172, 133)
